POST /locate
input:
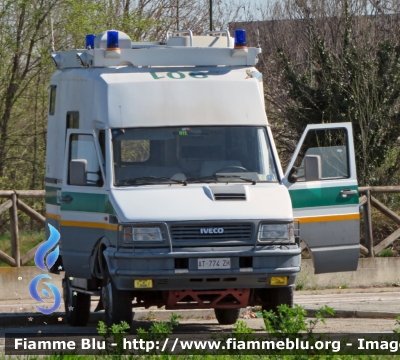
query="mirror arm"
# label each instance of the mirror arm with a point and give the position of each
(292, 178)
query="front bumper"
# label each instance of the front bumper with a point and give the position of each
(251, 267)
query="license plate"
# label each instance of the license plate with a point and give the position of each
(143, 284)
(217, 263)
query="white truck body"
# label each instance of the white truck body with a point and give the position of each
(207, 168)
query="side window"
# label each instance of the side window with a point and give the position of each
(52, 102)
(328, 148)
(82, 147)
(135, 150)
(102, 143)
(72, 120)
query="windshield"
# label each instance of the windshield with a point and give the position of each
(192, 154)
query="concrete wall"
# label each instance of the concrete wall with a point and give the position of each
(14, 282)
(370, 272)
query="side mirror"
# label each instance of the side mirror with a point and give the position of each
(78, 172)
(312, 167)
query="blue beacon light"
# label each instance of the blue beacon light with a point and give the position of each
(90, 41)
(112, 40)
(240, 39)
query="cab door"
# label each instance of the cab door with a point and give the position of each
(83, 204)
(322, 182)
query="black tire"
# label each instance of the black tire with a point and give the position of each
(117, 303)
(77, 307)
(278, 296)
(227, 316)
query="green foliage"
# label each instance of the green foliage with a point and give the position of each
(113, 334)
(27, 241)
(242, 331)
(397, 330)
(386, 253)
(292, 321)
(320, 315)
(26, 68)
(160, 330)
(95, 16)
(300, 286)
(286, 320)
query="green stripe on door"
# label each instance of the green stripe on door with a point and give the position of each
(97, 203)
(303, 198)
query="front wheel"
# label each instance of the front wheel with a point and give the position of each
(117, 303)
(278, 296)
(77, 304)
(227, 316)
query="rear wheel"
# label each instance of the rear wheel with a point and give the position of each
(117, 303)
(227, 316)
(278, 296)
(77, 304)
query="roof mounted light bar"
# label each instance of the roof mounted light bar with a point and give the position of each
(114, 48)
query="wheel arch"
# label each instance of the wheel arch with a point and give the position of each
(97, 259)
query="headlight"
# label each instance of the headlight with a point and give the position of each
(141, 234)
(282, 233)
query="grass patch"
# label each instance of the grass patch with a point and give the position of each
(387, 253)
(300, 286)
(27, 240)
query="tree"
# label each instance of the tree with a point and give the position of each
(26, 32)
(336, 61)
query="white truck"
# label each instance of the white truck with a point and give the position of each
(165, 184)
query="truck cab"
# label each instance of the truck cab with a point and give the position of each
(165, 184)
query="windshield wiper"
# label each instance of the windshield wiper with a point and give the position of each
(134, 180)
(218, 176)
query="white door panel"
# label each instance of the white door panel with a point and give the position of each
(327, 208)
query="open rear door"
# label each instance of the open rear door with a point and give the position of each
(324, 194)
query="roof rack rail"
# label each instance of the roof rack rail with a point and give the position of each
(180, 32)
(220, 32)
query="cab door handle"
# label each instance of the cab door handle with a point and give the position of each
(67, 199)
(348, 192)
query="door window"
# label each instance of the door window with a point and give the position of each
(83, 147)
(330, 148)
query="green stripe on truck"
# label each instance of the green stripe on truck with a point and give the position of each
(303, 198)
(96, 203)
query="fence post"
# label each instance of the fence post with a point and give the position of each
(368, 225)
(14, 231)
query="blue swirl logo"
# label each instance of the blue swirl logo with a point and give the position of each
(44, 260)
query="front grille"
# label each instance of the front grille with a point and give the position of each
(239, 232)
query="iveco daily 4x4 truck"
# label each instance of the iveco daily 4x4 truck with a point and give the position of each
(164, 182)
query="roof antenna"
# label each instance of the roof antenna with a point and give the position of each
(211, 15)
(52, 36)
